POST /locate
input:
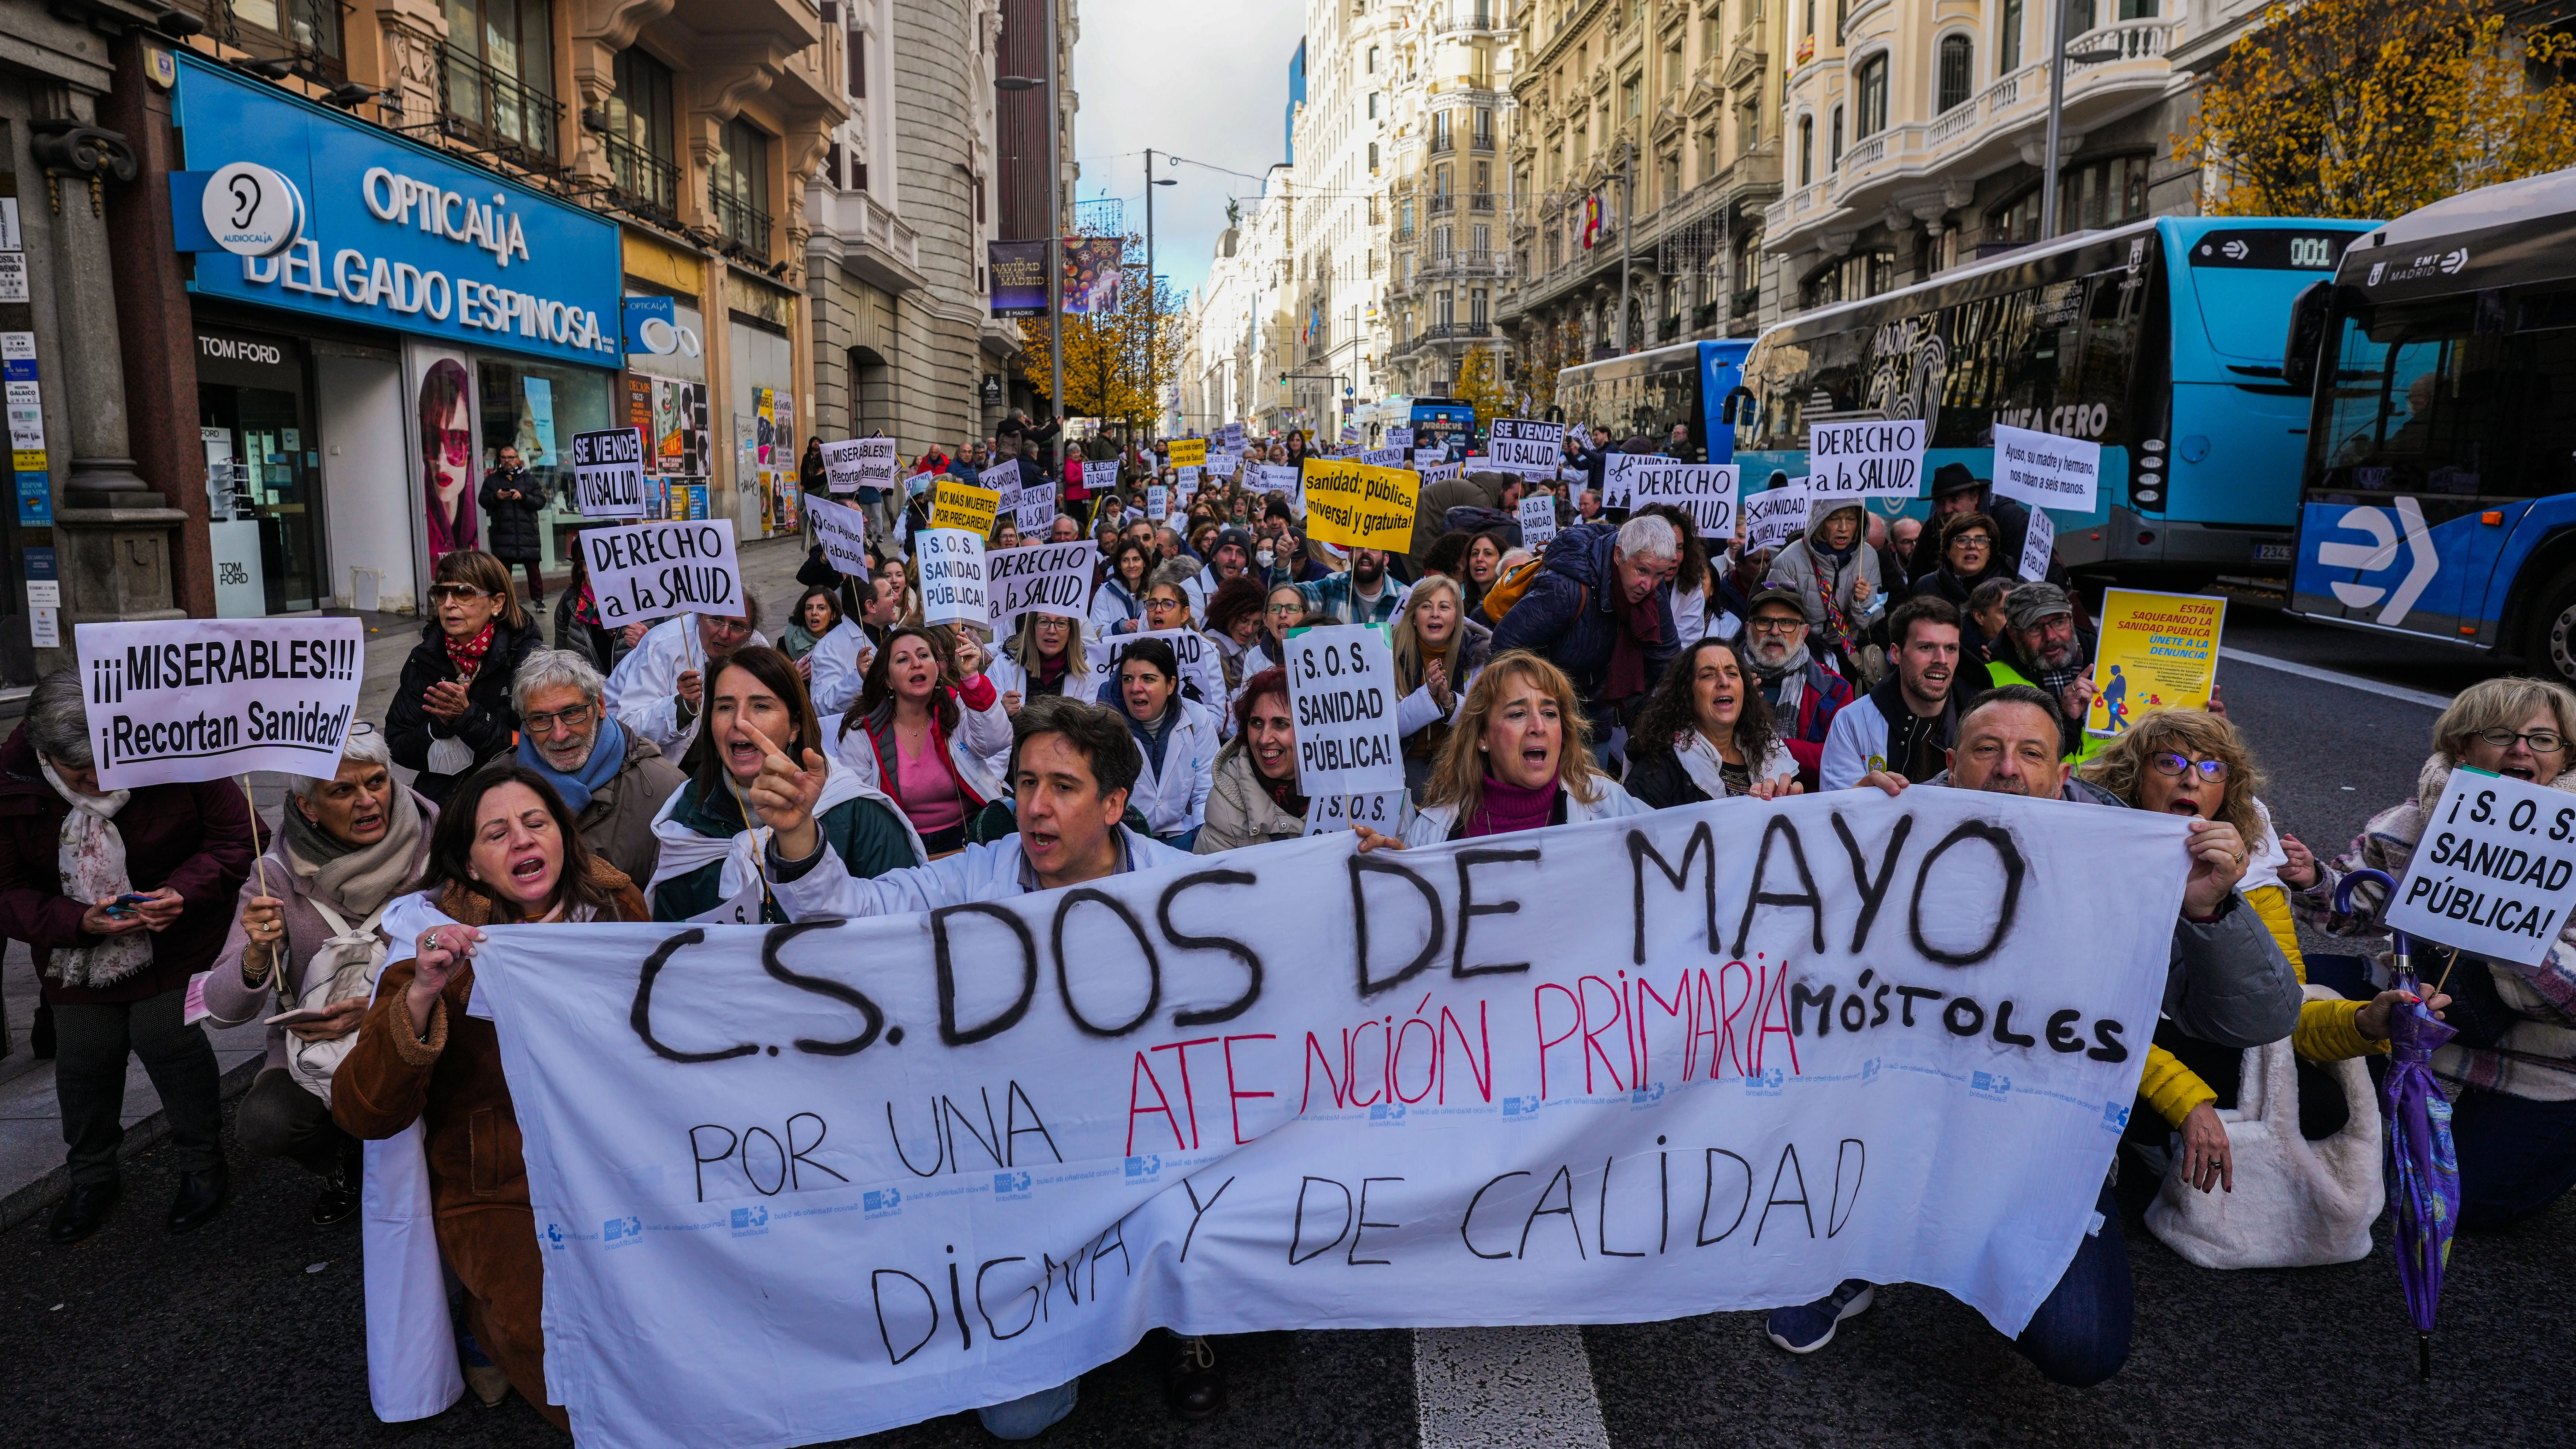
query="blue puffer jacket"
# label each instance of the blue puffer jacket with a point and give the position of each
(1571, 615)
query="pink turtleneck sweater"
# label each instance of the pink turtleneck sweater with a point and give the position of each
(1507, 808)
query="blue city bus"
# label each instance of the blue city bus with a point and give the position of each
(1443, 422)
(1645, 393)
(2440, 489)
(2160, 340)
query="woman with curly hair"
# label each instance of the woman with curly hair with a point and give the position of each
(1707, 734)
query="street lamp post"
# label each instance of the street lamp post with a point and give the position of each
(2057, 59)
(1153, 301)
(1055, 222)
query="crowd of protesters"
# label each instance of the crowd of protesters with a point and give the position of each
(874, 763)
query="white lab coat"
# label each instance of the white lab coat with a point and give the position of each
(840, 665)
(1174, 798)
(643, 691)
(1431, 826)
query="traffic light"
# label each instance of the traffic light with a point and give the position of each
(1283, 379)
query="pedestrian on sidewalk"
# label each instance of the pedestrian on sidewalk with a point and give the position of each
(308, 938)
(121, 895)
(505, 852)
(511, 504)
(452, 710)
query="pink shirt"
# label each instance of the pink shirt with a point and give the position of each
(927, 792)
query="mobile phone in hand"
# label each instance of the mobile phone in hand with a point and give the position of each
(124, 905)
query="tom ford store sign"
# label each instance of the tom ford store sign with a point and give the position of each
(388, 233)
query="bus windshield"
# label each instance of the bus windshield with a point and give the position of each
(2471, 394)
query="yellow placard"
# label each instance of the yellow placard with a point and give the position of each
(955, 503)
(1355, 505)
(2158, 651)
(1189, 452)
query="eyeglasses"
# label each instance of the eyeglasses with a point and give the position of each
(544, 724)
(1972, 540)
(1775, 625)
(726, 628)
(2542, 742)
(2168, 763)
(465, 593)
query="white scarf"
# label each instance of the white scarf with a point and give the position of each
(91, 857)
(1701, 761)
(684, 849)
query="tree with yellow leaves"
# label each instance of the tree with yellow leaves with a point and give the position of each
(1480, 381)
(2368, 109)
(1117, 365)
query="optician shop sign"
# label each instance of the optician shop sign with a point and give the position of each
(387, 233)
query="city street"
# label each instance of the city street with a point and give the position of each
(251, 1333)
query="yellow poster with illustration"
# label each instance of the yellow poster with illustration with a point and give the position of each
(2158, 651)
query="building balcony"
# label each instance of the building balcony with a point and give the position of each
(1478, 21)
(1906, 165)
(1442, 205)
(870, 242)
(1443, 144)
(740, 222)
(1484, 144)
(642, 181)
(1482, 201)
(497, 113)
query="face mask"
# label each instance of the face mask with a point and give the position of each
(1262, 558)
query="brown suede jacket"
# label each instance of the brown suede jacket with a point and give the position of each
(451, 1079)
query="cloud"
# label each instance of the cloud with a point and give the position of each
(1205, 78)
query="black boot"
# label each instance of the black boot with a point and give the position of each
(201, 1195)
(40, 1033)
(1193, 1381)
(81, 1211)
(339, 1198)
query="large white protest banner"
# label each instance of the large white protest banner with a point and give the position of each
(951, 561)
(843, 533)
(651, 571)
(1772, 515)
(200, 699)
(1341, 690)
(1868, 459)
(1705, 490)
(1518, 445)
(1538, 520)
(2045, 470)
(2038, 545)
(1042, 578)
(2495, 874)
(1201, 670)
(850, 464)
(608, 473)
(1713, 1058)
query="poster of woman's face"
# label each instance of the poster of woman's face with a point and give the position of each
(447, 458)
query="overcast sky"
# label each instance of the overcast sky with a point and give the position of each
(1205, 78)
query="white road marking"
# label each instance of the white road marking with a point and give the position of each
(1506, 1388)
(2348, 681)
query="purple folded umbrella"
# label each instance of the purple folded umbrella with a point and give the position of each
(2423, 1169)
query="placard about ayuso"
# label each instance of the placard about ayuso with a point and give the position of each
(200, 699)
(1774, 1046)
(654, 570)
(2045, 470)
(2495, 873)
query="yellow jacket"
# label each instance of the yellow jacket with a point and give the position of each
(2325, 1032)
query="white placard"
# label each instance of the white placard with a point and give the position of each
(951, 561)
(843, 533)
(1040, 578)
(2495, 873)
(1341, 688)
(1614, 477)
(1399, 437)
(1440, 472)
(1200, 666)
(1233, 434)
(2045, 470)
(2038, 545)
(1383, 457)
(1431, 457)
(850, 464)
(714, 1281)
(919, 483)
(1031, 506)
(608, 473)
(1538, 521)
(1770, 517)
(1275, 477)
(1879, 459)
(1380, 810)
(202, 699)
(1519, 445)
(1001, 477)
(1188, 476)
(1706, 490)
(1158, 503)
(650, 571)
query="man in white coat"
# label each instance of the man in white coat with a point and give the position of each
(1072, 765)
(660, 687)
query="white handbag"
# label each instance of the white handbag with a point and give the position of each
(344, 969)
(2297, 1204)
